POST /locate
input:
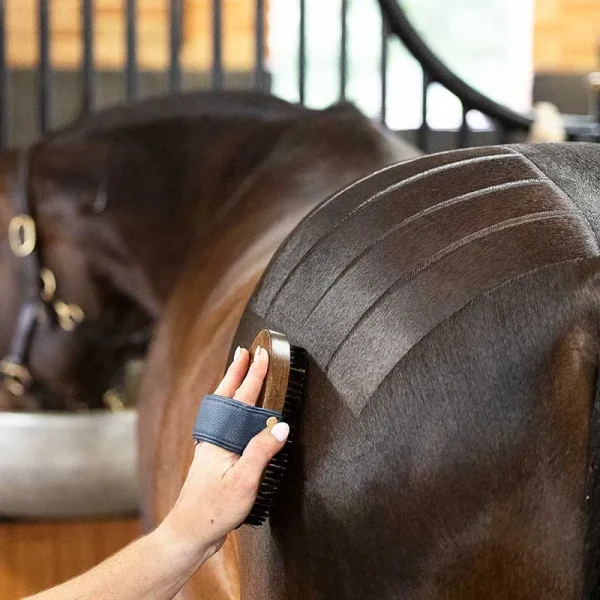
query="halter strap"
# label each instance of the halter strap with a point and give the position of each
(22, 233)
(38, 286)
(22, 237)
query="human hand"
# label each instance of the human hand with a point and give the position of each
(221, 486)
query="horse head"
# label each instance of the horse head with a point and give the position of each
(70, 202)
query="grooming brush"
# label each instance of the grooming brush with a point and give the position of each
(283, 390)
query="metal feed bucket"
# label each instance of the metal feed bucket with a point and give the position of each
(68, 465)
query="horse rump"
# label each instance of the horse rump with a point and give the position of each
(449, 306)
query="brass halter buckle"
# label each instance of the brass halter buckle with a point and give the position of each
(114, 400)
(22, 235)
(16, 377)
(48, 284)
(69, 315)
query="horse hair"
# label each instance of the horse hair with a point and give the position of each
(450, 306)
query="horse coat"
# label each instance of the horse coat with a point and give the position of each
(449, 306)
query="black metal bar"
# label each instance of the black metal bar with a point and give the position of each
(131, 67)
(464, 130)
(259, 61)
(175, 44)
(302, 53)
(217, 66)
(423, 137)
(400, 25)
(44, 71)
(87, 25)
(503, 133)
(596, 89)
(384, 68)
(3, 81)
(343, 49)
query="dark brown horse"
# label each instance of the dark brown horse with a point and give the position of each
(120, 197)
(451, 308)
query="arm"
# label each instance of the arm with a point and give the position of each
(218, 493)
(155, 567)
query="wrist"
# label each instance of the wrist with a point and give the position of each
(180, 549)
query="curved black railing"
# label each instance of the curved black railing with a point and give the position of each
(435, 71)
(438, 72)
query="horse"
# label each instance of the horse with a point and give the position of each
(449, 442)
(117, 201)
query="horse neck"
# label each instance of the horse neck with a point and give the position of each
(160, 189)
(193, 173)
(311, 162)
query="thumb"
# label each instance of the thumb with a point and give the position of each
(261, 449)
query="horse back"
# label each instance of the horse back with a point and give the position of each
(450, 309)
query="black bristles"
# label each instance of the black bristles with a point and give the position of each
(275, 472)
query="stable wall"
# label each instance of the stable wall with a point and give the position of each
(567, 35)
(36, 556)
(152, 28)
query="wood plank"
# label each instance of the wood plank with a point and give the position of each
(36, 556)
(566, 34)
(153, 34)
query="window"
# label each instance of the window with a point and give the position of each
(486, 42)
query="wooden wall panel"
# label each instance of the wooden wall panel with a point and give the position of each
(36, 556)
(153, 33)
(567, 35)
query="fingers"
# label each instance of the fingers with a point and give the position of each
(235, 373)
(250, 387)
(261, 449)
(242, 384)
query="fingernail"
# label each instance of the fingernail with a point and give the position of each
(238, 351)
(280, 431)
(257, 352)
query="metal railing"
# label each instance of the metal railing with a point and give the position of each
(394, 23)
(435, 71)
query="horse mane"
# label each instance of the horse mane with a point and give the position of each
(163, 164)
(185, 105)
(168, 130)
(449, 305)
(193, 135)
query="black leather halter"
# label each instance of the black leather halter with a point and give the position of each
(38, 287)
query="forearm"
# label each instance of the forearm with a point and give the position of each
(218, 493)
(154, 567)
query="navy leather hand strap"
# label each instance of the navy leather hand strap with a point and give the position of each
(229, 423)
